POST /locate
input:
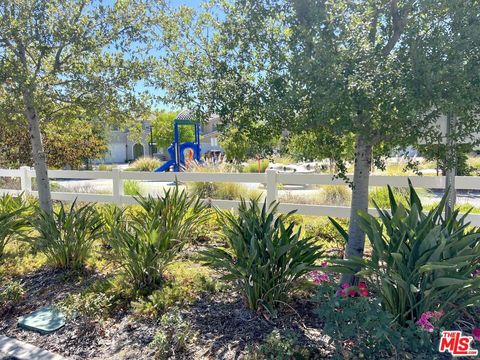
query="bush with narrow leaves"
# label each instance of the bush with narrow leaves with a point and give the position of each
(145, 242)
(67, 234)
(263, 256)
(421, 262)
(13, 211)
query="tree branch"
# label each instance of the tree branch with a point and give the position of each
(399, 21)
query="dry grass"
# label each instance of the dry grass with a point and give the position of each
(145, 164)
(223, 191)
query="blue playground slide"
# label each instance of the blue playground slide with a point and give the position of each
(177, 150)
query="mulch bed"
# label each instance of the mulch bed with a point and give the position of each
(226, 329)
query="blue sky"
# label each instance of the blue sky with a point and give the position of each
(192, 3)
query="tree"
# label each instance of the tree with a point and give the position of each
(162, 129)
(254, 141)
(59, 54)
(438, 153)
(344, 68)
(317, 145)
(446, 55)
(235, 144)
(68, 144)
(333, 66)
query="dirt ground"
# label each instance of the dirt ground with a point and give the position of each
(225, 327)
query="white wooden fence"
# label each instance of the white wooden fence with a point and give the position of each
(271, 179)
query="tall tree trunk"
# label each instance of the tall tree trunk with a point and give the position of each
(38, 154)
(356, 236)
(450, 165)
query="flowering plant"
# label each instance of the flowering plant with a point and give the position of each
(476, 334)
(418, 260)
(424, 321)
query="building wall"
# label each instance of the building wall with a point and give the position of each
(121, 148)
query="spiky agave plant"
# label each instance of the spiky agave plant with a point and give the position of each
(265, 256)
(66, 236)
(145, 242)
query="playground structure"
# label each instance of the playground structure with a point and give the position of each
(178, 161)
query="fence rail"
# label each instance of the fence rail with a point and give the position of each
(271, 180)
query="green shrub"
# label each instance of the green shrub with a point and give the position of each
(66, 236)
(252, 166)
(88, 304)
(323, 231)
(420, 262)
(264, 256)
(185, 282)
(145, 164)
(11, 292)
(12, 219)
(358, 328)
(174, 337)
(380, 196)
(145, 242)
(474, 163)
(100, 300)
(283, 345)
(132, 188)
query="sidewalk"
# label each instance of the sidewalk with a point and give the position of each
(13, 349)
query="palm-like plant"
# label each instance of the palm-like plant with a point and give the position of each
(12, 221)
(420, 261)
(66, 236)
(264, 255)
(144, 243)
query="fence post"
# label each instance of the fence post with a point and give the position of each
(117, 186)
(272, 192)
(25, 180)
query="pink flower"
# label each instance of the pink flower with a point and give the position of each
(424, 319)
(363, 292)
(319, 277)
(352, 293)
(324, 264)
(476, 334)
(345, 285)
(341, 292)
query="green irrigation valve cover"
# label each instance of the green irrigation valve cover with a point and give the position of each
(44, 320)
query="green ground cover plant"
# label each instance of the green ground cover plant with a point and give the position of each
(175, 335)
(359, 328)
